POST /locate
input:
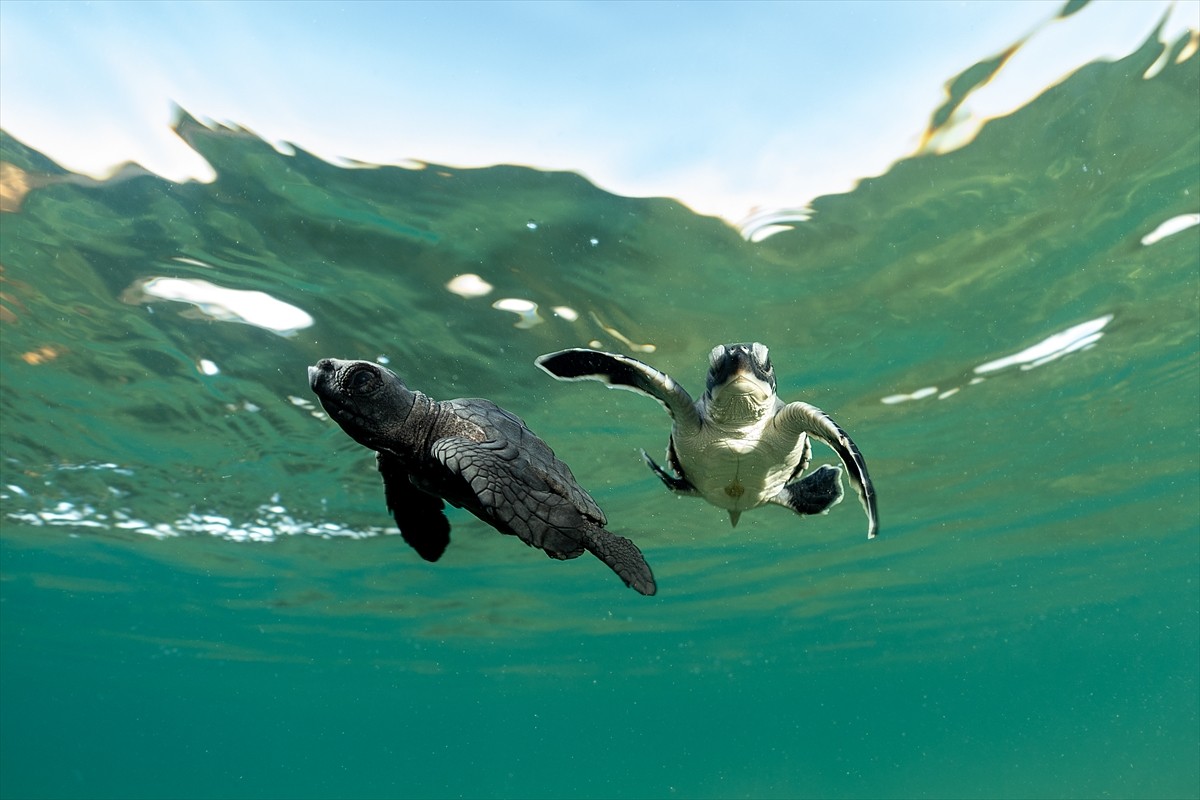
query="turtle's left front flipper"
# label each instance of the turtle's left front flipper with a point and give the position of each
(816, 493)
(797, 418)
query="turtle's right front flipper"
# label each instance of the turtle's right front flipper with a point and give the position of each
(419, 515)
(622, 372)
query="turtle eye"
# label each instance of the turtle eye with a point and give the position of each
(762, 356)
(361, 380)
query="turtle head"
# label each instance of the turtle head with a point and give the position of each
(741, 382)
(370, 402)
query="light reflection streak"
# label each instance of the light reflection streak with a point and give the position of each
(1075, 338)
(270, 522)
(469, 285)
(525, 309)
(764, 224)
(566, 312)
(1171, 227)
(620, 337)
(225, 305)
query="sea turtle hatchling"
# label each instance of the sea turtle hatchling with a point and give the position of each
(740, 446)
(474, 455)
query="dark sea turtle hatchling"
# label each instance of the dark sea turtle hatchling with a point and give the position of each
(740, 446)
(474, 455)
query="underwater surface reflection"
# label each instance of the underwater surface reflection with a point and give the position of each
(203, 594)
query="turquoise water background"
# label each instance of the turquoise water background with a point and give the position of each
(201, 596)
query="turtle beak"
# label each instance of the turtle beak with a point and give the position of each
(726, 363)
(738, 369)
(740, 364)
(320, 377)
(320, 374)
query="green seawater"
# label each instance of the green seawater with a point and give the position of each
(202, 596)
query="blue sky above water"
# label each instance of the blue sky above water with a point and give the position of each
(727, 106)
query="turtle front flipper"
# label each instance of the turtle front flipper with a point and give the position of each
(419, 515)
(622, 372)
(798, 418)
(815, 494)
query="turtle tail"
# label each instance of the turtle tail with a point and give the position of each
(622, 556)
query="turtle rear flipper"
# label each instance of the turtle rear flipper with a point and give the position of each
(622, 556)
(526, 497)
(815, 494)
(676, 484)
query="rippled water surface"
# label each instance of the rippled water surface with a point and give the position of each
(201, 596)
